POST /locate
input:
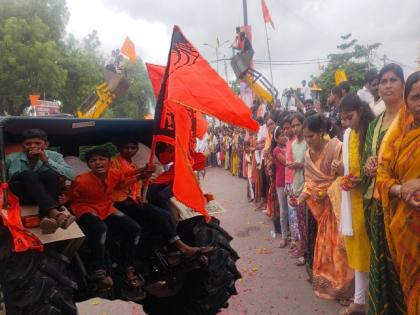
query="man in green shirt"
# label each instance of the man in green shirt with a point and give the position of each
(34, 177)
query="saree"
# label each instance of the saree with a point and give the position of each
(235, 155)
(273, 206)
(399, 162)
(256, 177)
(385, 293)
(332, 276)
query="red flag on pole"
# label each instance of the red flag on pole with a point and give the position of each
(190, 85)
(266, 13)
(156, 73)
(193, 83)
(128, 49)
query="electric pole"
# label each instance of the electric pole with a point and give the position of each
(245, 7)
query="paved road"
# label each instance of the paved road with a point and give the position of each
(271, 283)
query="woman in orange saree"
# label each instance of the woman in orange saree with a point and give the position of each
(398, 186)
(332, 277)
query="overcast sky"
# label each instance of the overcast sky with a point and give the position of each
(304, 29)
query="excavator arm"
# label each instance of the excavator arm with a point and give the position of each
(255, 80)
(105, 93)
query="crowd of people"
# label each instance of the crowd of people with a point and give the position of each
(342, 188)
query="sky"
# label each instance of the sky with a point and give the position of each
(304, 29)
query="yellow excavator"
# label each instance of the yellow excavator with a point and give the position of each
(263, 89)
(105, 93)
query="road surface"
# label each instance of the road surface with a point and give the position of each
(271, 283)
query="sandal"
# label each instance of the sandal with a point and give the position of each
(283, 243)
(105, 283)
(345, 302)
(300, 261)
(48, 225)
(135, 283)
(64, 220)
(354, 309)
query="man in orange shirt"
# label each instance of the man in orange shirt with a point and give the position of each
(90, 198)
(127, 201)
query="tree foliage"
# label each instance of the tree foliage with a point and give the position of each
(38, 58)
(354, 58)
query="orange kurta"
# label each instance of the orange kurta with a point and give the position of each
(399, 162)
(89, 194)
(332, 276)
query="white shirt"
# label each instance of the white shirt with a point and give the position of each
(306, 91)
(377, 107)
(262, 133)
(365, 95)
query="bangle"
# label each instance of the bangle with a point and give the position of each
(398, 191)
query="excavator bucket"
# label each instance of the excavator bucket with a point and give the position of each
(117, 83)
(240, 63)
(261, 87)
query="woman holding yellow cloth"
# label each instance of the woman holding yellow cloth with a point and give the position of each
(356, 115)
(398, 183)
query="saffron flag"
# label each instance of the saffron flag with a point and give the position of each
(190, 85)
(194, 84)
(23, 239)
(156, 73)
(34, 99)
(128, 49)
(266, 13)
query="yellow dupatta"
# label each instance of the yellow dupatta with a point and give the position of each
(399, 161)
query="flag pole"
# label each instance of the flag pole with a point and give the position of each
(269, 54)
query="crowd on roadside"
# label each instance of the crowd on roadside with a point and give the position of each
(342, 188)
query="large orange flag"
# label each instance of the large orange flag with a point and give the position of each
(129, 50)
(266, 13)
(156, 73)
(194, 84)
(189, 86)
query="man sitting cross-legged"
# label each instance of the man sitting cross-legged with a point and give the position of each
(127, 200)
(90, 198)
(34, 177)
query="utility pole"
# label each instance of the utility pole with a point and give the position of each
(418, 60)
(245, 8)
(269, 54)
(216, 49)
(226, 69)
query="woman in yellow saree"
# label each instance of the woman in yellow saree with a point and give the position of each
(332, 276)
(398, 185)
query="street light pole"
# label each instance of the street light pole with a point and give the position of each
(217, 48)
(217, 59)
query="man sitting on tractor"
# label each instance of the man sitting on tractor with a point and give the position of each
(34, 176)
(127, 199)
(90, 198)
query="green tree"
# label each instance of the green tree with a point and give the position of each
(29, 63)
(137, 102)
(84, 68)
(354, 58)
